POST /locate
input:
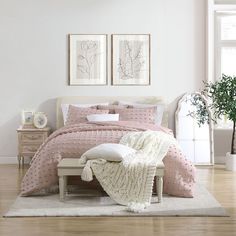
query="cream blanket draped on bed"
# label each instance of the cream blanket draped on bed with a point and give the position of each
(130, 182)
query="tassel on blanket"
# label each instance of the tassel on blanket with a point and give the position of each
(87, 174)
(136, 207)
(82, 160)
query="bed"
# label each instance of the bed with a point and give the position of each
(73, 140)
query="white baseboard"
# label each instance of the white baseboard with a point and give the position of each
(8, 160)
(220, 159)
(12, 160)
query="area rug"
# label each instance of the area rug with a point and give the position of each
(94, 204)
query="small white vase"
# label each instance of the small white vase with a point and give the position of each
(230, 162)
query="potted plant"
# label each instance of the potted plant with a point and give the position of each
(221, 96)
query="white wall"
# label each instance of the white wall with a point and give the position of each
(34, 51)
(222, 142)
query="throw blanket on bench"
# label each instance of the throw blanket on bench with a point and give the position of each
(130, 182)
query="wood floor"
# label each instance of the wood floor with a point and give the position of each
(220, 183)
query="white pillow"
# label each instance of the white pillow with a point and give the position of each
(108, 151)
(160, 109)
(103, 117)
(65, 108)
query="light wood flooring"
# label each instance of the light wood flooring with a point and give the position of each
(221, 183)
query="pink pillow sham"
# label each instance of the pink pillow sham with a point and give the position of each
(111, 108)
(78, 115)
(142, 115)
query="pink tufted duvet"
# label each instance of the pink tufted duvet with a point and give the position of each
(73, 140)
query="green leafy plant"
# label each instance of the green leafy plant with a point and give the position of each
(221, 101)
(201, 114)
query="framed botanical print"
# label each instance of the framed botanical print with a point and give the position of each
(87, 59)
(131, 59)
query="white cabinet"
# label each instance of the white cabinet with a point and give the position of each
(196, 142)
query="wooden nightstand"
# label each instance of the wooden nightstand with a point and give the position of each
(29, 140)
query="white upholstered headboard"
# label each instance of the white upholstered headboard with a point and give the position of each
(111, 100)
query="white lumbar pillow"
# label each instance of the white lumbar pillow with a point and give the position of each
(109, 152)
(103, 117)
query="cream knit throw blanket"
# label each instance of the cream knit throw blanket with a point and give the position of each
(130, 182)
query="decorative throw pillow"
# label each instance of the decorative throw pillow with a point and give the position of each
(108, 151)
(65, 108)
(142, 115)
(103, 117)
(79, 115)
(111, 108)
(159, 109)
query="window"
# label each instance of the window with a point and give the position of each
(221, 38)
(225, 51)
(225, 44)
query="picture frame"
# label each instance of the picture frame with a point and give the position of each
(131, 59)
(88, 59)
(40, 120)
(27, 119)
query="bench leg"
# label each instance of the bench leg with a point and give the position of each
(62, 183)
(65, 185)
(159, 187)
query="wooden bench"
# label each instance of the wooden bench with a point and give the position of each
(71, 167)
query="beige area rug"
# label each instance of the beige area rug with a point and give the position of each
(94, 204)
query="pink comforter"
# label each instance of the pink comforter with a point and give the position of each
(72, 141)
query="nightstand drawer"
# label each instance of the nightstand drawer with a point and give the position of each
(29, 148)
(29, 141)
(33, 137)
